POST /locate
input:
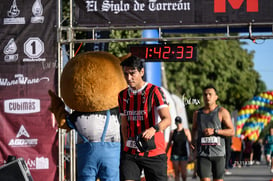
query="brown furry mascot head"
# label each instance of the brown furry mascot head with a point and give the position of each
(90, 82)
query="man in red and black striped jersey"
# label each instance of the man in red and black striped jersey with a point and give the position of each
(141, 105)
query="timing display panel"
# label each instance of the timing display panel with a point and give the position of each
(165, 52)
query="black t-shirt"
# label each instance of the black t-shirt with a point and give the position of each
(179, 143)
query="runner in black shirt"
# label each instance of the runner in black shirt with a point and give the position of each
(180, 139)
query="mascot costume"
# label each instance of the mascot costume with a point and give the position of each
(90, 83)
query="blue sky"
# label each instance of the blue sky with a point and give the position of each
(263, 59)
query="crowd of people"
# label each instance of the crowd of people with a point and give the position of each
(245, 152)
(239, 152)
(211, 144)
(143, 139)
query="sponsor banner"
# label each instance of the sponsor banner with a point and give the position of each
(137, 12)
(22, 106)
(24, 138)
(27, 31)
(25, 13)
(28, 59)
(27, 130)
(233, 11)
(32, 81)
(30, 48)
(15, 107)
(171, 12)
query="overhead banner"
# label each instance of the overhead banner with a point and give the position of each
(171, 12)
(28, 59)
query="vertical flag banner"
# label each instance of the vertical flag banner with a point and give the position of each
(28, 59)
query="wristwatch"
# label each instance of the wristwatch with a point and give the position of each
(215, 131)
(156, 127)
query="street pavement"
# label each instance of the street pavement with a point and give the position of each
(247, 173)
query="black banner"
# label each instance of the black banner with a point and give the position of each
(171, 12)
(28, 59)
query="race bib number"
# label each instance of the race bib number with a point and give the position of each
(211, 140)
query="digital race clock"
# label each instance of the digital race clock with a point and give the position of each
(165, 52)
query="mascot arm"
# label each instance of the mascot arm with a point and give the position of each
(57, 107)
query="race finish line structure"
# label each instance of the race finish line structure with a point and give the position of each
(31, 60)
(224, 19)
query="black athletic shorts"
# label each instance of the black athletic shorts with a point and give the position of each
(155, 168)
(208, 165)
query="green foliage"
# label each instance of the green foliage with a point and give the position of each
(65, 12)
(119, 49)
(222, 63)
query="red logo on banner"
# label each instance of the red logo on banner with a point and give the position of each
(251, 5)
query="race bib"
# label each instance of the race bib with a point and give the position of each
(131, 144)
(211, 140)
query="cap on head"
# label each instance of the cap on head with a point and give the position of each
(178, 119)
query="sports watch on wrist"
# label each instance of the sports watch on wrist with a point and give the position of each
(215, 131)
(156, 127)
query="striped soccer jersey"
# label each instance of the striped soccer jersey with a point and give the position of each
(140, 108)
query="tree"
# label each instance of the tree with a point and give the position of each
(120, 49)
(222, 63)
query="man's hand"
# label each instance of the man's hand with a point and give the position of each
(208, 131)
(192, 146)
(148, 133)
(57, 107)
(56, 102)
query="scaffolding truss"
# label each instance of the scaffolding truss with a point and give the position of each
(219, 32)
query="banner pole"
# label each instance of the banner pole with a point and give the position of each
(152, 69)
(71, 31)
(72, 133)
(59, 64)
(72, 155)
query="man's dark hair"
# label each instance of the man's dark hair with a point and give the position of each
(134, 62)
(210, 87)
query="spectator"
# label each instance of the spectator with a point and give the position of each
(247, 151)
(228, 155)
(256, 152)
(236, 151)
(180, 139)
(269, 149)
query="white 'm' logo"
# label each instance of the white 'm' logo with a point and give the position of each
(22, 131)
